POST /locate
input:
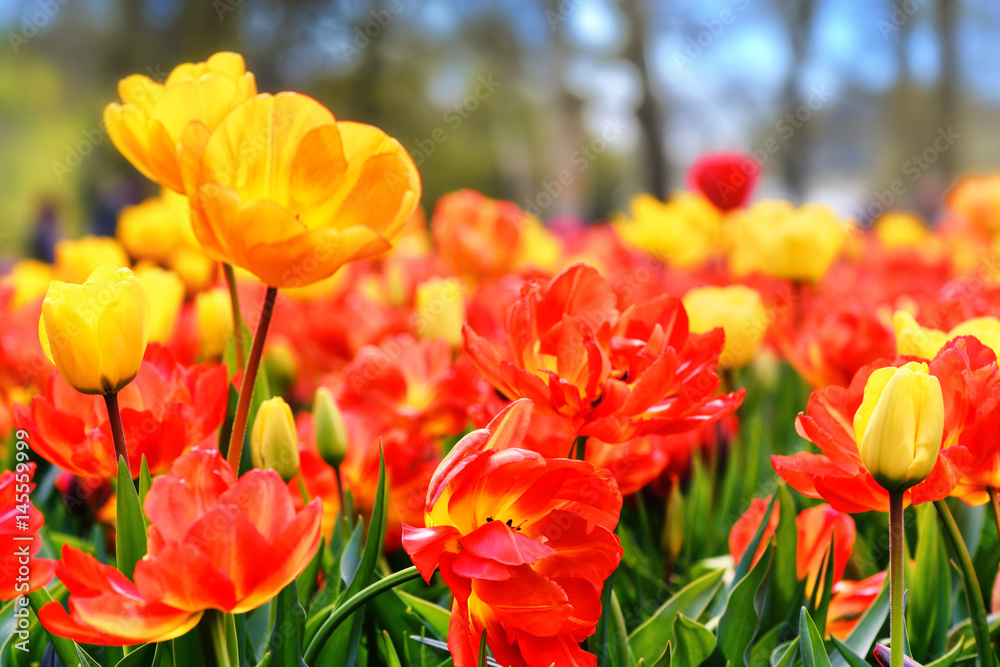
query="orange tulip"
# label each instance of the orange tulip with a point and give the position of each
(850, 601)
(477, 236)
(215, 542)
(524, 542)
(147, 125)
(284, 190)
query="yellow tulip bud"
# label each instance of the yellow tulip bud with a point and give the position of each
(30, 279)
(740, 312)
(901, 230)
(214, 314)
(166, 294)
(913, 339)
(96, 333)
(77, 259)
(440, 306)
(273, 441)
(899, 425)
(331, 436)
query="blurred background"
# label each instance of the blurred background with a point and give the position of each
(566, 107)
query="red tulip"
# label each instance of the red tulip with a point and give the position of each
(524, 542)
(725, 179)
(166, 410)
(614, 375)
(20, 521)
(215, 542)
(967, 371)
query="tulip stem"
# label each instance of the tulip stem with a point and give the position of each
(117, 432)
(973, 592)
(896, 620)
(225, 655)
(352, 604)
(234, 298)
(249, 378)
(580, 447)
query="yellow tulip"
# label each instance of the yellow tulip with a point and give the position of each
(213, 312)
(331, 436)
(899, 425)
(774, 237)
(147, 125)
(166, 294)
(96, 333)
(684, 231)
(29, 279)
(440, 309)
(284, 190)
(901, 230)
(76, 259)
(913, 339)
(738, 309)
(273, 441)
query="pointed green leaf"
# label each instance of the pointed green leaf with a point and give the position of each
(747, 559)
(647, 640)
(811, 642)
(928, 603)
(693, 643)
(147, 655)
(130, 524)
(437, 618)
(145, 482)
(305, 583)
(784, 581)
(853, 659)
(783, 656)
(286, 636)
(391, 657)
(740, 620)
(69, 652)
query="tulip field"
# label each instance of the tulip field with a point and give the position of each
(294, 414)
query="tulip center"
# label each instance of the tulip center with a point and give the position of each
(509, 522)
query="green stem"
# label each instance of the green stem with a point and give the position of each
(352, 604)
(896, 620)
(580, 446)
(217, 627)
(234, 298)
(973, 592)
(117, 432)
(249, 378)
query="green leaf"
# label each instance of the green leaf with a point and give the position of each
(289, 623)
(783, 657)
(306, 582)
(391, 657)
(647, 640)
(949, 658)
(145, 483)
(437, 618)
(147, 655)
(482, 650)
(852, 658)
(130, 524)
(693, 643)
(928, 602)
(868, 628)
(740, 620)
(784, 582)
(620, 651)
(747, 559)
(826, 593)
(69, 652)
(811, 642)
(350, 559)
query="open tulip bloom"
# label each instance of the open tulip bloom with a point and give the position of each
(464, 435)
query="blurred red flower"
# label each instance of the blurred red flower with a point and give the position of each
(725, 179)
(614, 375)
(524, 542)
(166, 410)
(20, 544)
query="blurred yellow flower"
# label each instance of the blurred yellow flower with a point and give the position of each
(899, 425)
(901, 230)
(684, 231)
(30, 280)
(146, 127)
(96, 333)
(76, 259)
(738, 309)
(776, 238)
(913, 339)
(166, 294)
(214, 315)
(284, 190)
(440, 309)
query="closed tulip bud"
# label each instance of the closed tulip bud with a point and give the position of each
(215, 321)
(166, 294)
(740, 312)
(440, 307)
(96, 333)
(273, 442)
(331, 436)
(899, 425)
